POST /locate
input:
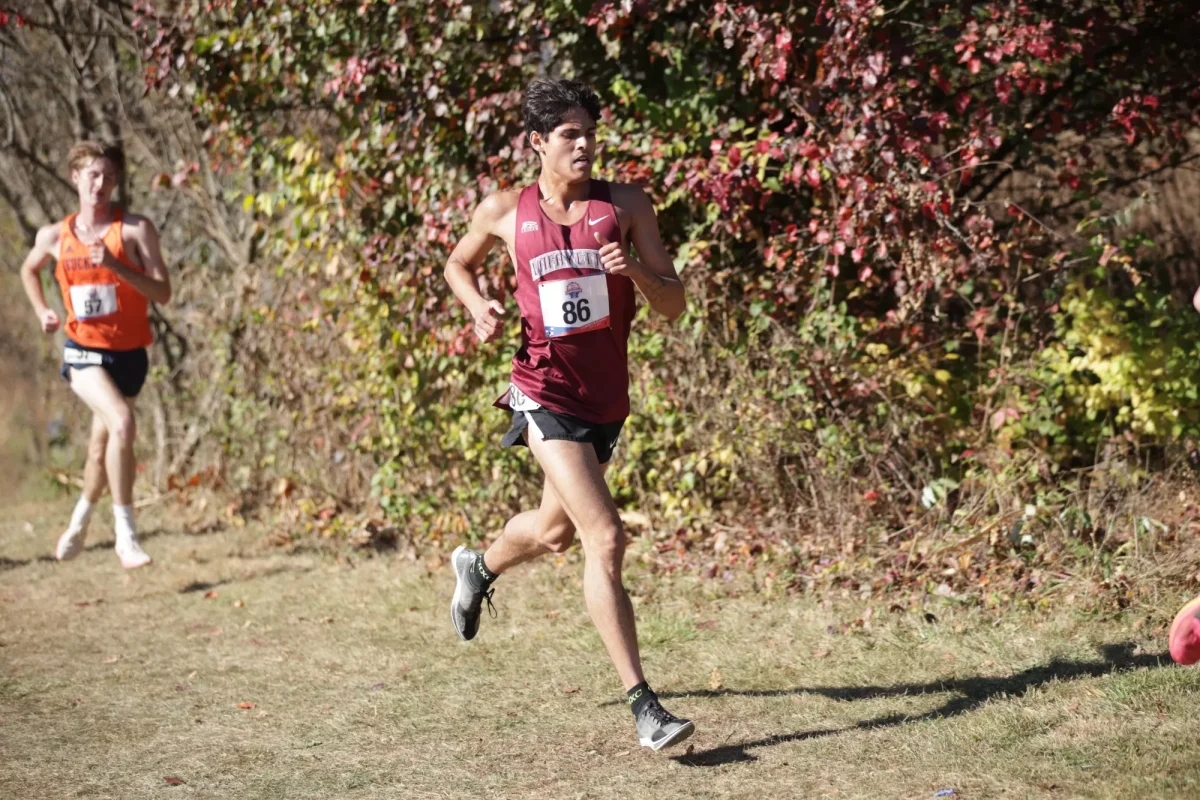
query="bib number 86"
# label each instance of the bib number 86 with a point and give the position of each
(576, 311)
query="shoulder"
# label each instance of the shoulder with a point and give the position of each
(631, 197)
(48, 236)
(45, 242)
(137, 226)
(492, 213)
(497, 205)
(634, 208)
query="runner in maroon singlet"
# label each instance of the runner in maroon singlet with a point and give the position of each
(568, 236)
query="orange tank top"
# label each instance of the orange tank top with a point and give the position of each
(102, 311)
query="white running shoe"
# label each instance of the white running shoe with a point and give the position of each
(70, 544)
(131, 553)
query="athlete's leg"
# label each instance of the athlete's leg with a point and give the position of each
(95, 476)
(128, 460)
(533, 533)
(577, 478)
(96, 388)
(525, 536)
(70, 543)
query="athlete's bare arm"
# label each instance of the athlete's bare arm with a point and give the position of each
(141, 243)
(652, 271)
(487, 226)
(45, 245)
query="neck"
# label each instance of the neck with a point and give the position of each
(557, 191)
(95, 216)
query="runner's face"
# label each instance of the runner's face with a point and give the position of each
(96, 182)
(570, 149)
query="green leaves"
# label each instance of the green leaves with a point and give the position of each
(831, 182)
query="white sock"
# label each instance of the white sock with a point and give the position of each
(81, 516)
(123, 522)
(128, 550)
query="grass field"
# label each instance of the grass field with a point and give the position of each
(230, 669)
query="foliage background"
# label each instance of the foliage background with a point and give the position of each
(938, 260)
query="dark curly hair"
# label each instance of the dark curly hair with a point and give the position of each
(547, 102)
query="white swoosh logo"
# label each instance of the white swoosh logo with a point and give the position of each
(601, 219)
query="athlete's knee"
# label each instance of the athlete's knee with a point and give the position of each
(122, 428)
(557, 538)
(606, 542)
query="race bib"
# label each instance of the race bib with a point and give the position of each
(73, 355)
(96, 300)
(519, 401)
(574, 305)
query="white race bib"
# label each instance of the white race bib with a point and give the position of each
(519, 401)
(73, 355)
(574, 305)
(96, 300)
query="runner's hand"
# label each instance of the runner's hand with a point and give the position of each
(613, 257)
(49, 320)
(489, 322)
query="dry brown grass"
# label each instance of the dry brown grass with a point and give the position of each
(112, 682)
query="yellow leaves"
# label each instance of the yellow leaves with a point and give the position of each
(1114, 363)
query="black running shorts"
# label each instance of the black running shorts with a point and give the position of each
(127, 368)
(547, 424)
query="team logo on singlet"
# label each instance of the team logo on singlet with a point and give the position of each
(565, 259)
(529, 226)
(73, 264)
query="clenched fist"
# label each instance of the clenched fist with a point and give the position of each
(49, 320)
(489, 321)
(613, 257)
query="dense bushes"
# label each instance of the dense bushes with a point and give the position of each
(874, 301)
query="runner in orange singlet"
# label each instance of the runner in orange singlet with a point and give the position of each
(109, 268)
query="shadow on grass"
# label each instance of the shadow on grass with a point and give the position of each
(105, 544)
(972, 693)
(205, 586)
(15, 563)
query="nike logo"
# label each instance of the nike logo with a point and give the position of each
(601, 219)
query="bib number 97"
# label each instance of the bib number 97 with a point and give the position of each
(576, 311)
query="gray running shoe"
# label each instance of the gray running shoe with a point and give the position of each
(659, 728)
(468, 598)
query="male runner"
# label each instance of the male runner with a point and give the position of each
(569, 393)
(109, 269)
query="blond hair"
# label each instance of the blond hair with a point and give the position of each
(88, 150)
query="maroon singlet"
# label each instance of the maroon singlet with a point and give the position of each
(586, 374)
